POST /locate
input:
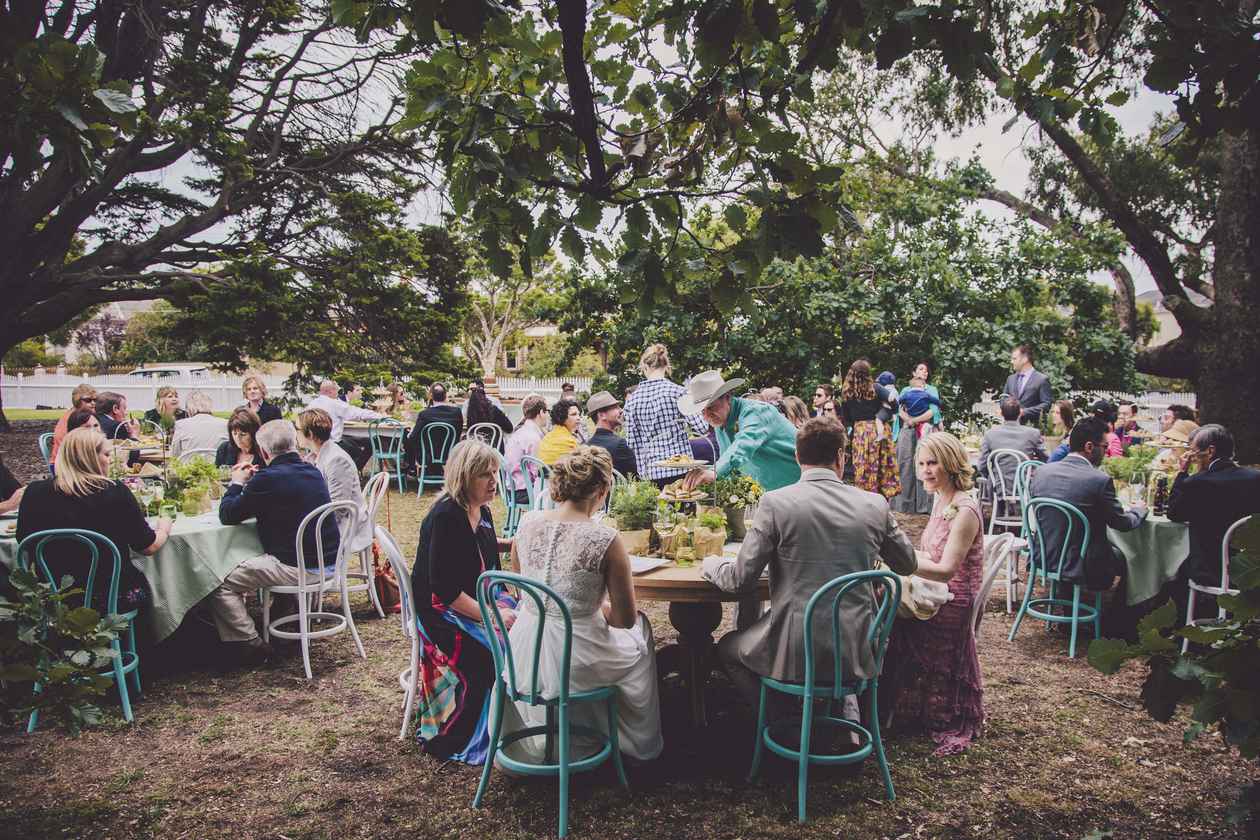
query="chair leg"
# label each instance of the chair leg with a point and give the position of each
(120, 681)
(345, 611)
(1185, 644)
(1010, 581)
(549, 739)
(1098, 616)
(496, 727)
(1023, 607)
(564, 769)
(802, 764)
(614, 741)
(878, 738)
(1053, 588)
(265, 594)
(757, 743)
(1076, 619)
(420, 489)
(304, 631)
(33, 720)
(135, 672)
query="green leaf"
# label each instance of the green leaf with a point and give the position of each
(18, 673)
(1211, 707)
(589, 213)
(72, 116)
(1006, 87)
(735, 216)
(1118, 98)
(573, 244)
(1161, 619)
(1107, 655)
(637, 221)
(767, 19)
(81, 619)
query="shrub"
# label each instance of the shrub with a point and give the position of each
(634, 505)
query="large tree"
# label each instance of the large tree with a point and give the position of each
(140, 142)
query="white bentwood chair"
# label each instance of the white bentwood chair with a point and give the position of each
(1214, 591)
(373, 492)
(311, 588)
(488, 433)
(406, 678)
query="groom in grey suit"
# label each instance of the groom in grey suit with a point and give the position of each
(1029, 386)
(809, 533)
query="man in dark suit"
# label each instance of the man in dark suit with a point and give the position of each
(1029, 386)
(1010, 435)
(1078, 481)
(439, 411)
(1211, 500)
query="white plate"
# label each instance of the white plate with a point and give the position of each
(685, 465)
(642, 565)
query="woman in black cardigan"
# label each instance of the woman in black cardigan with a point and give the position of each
(457, 543)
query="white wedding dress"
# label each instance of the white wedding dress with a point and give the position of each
(569, 558)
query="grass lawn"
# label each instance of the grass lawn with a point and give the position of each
(34, 413)
(1068, 753)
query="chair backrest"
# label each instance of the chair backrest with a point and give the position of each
(507, 493)
(318, 516)
(208, 454)
(996, 551)
(1004, 483)
(373, 492)
(385, 443)
(39, 541)
(45, 448)
(1225, 546)
(488, 433)
(829, 596)
(155, 429)
(1023, 478)
(535, 473)
(504, 662)
(394, 555)
(1075, 526)
(436, 442)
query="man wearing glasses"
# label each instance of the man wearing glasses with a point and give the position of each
(822, 395)
(83, 396)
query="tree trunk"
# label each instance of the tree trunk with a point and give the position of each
(1223, 359)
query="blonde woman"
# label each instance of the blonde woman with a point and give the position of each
(932, 667)
(255, 392)
(586, 563)
(457, 544)
(166, 408)
(83, 496)
(794, 408)
(655, 428)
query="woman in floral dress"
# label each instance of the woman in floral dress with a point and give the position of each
(874, 467)
(931, 668)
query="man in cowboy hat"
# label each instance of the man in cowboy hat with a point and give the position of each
(753, 436)
(605, 410)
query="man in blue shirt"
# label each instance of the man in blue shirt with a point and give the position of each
(279, 495)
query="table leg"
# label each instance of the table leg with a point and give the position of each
(695, 623)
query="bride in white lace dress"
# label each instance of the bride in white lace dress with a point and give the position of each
(587, 565)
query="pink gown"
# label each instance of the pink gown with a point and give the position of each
(931, 666)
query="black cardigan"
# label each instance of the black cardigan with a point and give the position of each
(449, 559)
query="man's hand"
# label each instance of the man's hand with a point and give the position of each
(697, 477)
(241, 473)
(1140, 508)
(1184, 463)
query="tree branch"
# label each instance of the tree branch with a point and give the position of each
(581, 97)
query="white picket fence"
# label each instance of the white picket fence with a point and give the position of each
(52, 390)
(514, 387)
(1150, 403)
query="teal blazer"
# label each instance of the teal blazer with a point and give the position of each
(760, 442)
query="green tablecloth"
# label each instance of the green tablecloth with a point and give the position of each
(1153, 552)
(198, 556)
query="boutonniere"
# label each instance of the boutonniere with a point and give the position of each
(950, 511)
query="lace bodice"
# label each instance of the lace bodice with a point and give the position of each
(568, 557)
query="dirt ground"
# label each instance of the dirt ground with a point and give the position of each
(1067, 753)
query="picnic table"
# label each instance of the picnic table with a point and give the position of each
(1153, 553)
(695, 611)
(196, 558)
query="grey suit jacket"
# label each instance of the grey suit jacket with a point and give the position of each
(1035, 398)
(809, 533)
(1010, 435)
(1078, 482)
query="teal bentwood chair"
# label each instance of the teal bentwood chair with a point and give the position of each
(436, 442)
(536, 474)
(125, 659)
(45, 449)
(1075, 538)
(386, 436)
(507, 493)
(509, 687)
(829, 596)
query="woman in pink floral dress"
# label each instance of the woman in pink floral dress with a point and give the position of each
(931, 667)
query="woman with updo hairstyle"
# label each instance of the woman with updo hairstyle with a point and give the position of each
(655, 429)
(586, 563)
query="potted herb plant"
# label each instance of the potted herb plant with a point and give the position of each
(634, 508)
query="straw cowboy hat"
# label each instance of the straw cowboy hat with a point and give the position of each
(704, 388)
(1178, 434)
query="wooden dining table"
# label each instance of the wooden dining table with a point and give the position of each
(695, 611)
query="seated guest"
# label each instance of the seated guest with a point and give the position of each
(438, 411)
(241, 447)
(1127, 423)
(562, 439)
(808, 533)
(1173, 443)
(111, 413)
(586, 563)
(1063, 415)
(83, 397)
(480, 410)
(340, 411)
(83, 418)
(200, 430)
(1078, 481)
(1176, 412)
(255, 392)
(524, 441)
(1106, 412)
(605, 410)
(340, 474)
(353, 393)
(280, 495)
(932, 672)
(457, 543)
(398, 401)
(165, 409)
(1214, 498)
(83, 496)
(11, 489)
(1010, 435)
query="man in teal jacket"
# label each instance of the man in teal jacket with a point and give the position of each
(753, 436)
